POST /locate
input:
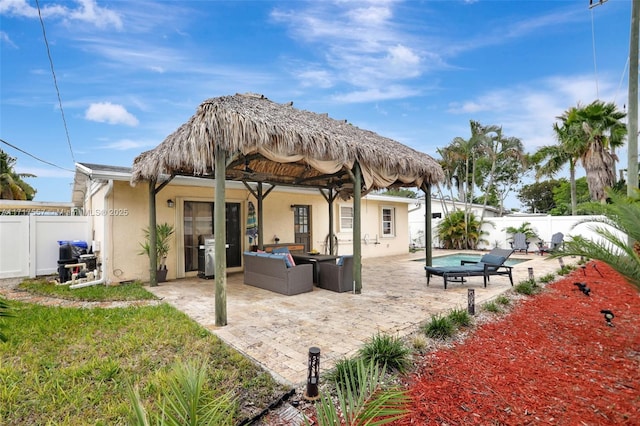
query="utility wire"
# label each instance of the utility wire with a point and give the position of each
(55, 81)
(33, 156)
(593, 43)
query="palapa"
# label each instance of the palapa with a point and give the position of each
(281, 145)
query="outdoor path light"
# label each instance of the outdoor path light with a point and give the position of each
(313, 374)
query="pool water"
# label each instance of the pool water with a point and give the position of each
(454, 260)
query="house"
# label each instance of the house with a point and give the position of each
(118, 214)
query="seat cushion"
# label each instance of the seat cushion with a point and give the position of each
(492, 259)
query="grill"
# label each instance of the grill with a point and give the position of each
(206, 256)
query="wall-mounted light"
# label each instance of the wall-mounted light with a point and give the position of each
(170, 203)
(293, 207)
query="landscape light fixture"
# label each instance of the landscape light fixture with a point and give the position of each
(583, 288)
(313, 375)
(608, 316)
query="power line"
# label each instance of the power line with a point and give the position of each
(33, 156)
(55, 82)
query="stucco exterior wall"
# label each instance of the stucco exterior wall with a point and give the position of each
(127, 214)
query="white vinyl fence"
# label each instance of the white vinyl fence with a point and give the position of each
(29, 244)
(545, 227)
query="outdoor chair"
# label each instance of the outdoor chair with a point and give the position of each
(489, 264)
(557, 240)
(520, 243)
(336, 276)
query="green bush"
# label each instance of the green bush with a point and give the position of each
(546, 279)
(527, 287)
(440, 327)
(460, 317)
(385, 350)
(344, 374)
(491, 307)
(566, 269)
(503, 300)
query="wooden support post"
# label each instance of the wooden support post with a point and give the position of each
(220, 235)
(357, 229)
(153, 236)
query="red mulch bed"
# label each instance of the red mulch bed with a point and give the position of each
(552, 361)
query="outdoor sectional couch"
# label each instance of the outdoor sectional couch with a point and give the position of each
(270, 272)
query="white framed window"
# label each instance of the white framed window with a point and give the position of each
(388, 221)
(346, 218)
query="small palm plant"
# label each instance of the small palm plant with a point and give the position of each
(622, 219)
(164, 231)
(366, 403)
(461, 231)
(184, 402)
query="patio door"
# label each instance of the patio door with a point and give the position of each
(198, 220)
(302, 225)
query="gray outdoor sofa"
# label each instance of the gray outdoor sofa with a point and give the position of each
(489, 264)
(270, 272)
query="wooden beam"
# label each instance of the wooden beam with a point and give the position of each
(163, 184)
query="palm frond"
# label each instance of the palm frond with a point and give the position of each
(365, 404)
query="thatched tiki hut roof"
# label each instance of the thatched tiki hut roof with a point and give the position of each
(249, 138)
(276, 143)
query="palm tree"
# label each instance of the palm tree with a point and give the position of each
(622, 220)
(594, 132)
(554, 157)
(12, 187)
(499, 151)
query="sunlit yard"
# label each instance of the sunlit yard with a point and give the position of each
(72, 366)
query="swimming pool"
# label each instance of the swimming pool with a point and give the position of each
(454, 260)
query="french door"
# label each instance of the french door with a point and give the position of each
(198, 220)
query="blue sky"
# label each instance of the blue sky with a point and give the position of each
(130, 72)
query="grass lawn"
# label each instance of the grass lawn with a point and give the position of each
(70, 366)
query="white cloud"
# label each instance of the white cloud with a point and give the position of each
(126, 144)
(361, 45)
(106, 112)
(5, 39)
(86, 11)
(316, 78)
(44, 172)
(376, 94)
(529, 111)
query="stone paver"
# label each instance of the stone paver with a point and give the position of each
(276, 331)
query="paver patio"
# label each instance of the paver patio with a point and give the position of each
(276, 331)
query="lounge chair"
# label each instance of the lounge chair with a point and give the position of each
(520, 243)
(489, 264)
(557, 240)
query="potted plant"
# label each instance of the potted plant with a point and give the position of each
(164, 231)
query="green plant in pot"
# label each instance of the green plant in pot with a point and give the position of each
(164, 231)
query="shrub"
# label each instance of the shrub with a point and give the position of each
(491, 307)
(527, 287)
(370, 403)
(419, 344)
(460, 317)
(503, 300)
(184, 401)
(440, 327)
(344, 374)
(565, 269)
(546, 279)
(385, 350)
